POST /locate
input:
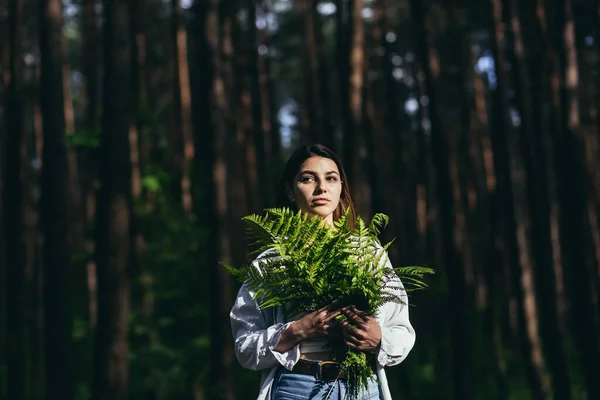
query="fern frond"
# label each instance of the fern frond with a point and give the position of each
(378, 223)
(415, 270)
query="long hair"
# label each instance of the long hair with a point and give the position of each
(292, 167)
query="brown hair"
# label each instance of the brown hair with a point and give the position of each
(292, 167)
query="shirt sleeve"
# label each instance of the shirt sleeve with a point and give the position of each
(397, 334)
(256, 334)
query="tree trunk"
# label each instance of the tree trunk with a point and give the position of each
(201, 73)
(573, 192)
(57, 304)
(4, 81)
(379, 143)
(315, 72)
(461, 368)
(15, 156)
(457, 142)
(139, 99)
(352, 53)
(399, 151)
(88, 171)
(537, 193)
(488, 294)
(182, 111)
(343, 49)
(90, 61)
(590, 95)
(256, 98)
(34, 263)
(113, 236)
(215, 46)
(513, 228)
(76, 210)
(269, 124)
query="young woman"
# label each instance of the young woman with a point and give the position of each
(294, 355)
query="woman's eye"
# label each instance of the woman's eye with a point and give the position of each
(306, 179)
(332, 179)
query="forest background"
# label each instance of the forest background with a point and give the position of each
(135, 134)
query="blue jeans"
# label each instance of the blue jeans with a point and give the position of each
(293, 386)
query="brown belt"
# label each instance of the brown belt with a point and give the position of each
(326, 370)
(322, 370)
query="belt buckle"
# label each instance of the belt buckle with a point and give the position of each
(332, 363)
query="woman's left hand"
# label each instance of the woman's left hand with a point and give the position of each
(364, 334)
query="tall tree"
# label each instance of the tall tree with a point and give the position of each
(59, 381)
(523, 60)
(91, 58)
(512, 198)
(259, 110)
(214, 35)
(315, 72)
(4, 79)
(90, 62)
(342, 62)
(13, 225)
(269, 125)
(182, 111)
(461, 364)
(137, 43)
(579, 262)
(351, 63)
(113, 236)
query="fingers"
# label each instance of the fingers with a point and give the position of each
(352, 315)
(321, 323)
(331, 315)
(354, 342)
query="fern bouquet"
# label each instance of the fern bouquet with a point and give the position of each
(307, 264)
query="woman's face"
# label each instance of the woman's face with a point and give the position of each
(317, 187)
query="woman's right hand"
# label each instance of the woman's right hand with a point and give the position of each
(317, 323)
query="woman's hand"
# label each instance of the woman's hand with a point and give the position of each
(364, 334)
(317, 323)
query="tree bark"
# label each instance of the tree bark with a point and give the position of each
(351, 65)
(90, 63)
(315, 72)
(182, 111)
(343, 49)
(91, 59)
(573, 192)
(54, 200)
(137, 42)
(461, 365)
(13, 213)
(113, 236)
(34, 263)
(76, 211)
(214, 46)
(514, 226)
(488, 294)
(268, 118)
(257, 98)
(537, 194)
(4, 81)
(269, 123)
(379, 143)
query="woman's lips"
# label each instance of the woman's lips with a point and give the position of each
(320, 202)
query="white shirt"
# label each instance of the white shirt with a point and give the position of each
(256, 333)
